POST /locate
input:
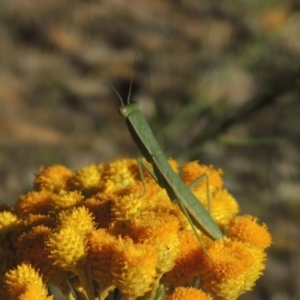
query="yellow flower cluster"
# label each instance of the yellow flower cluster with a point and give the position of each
(98, 232)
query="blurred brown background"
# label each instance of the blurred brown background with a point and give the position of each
(218, 81)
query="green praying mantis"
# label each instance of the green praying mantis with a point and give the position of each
(163, 173)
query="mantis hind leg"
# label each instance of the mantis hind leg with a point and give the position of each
(198, 180)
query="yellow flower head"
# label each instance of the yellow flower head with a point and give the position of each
(161, 231)
(133, 268)
(67, 249)
(182, 293)
(67, 244)
(26, 224)
(128, 207)
(246, 229)
(89, 179)
(99, 258)
(172, 208)
(34, 203)
(23, 277)
(32, 292)
(188, 262)
(66, 199)
(120, 175)
(8, 222)
(157, 198)
(80, 219)
(193, 170)
(149, 178)
(100, 206)
(151, 226)
(54, 179)
(230, 268)
(223, 207)
(31, 247)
